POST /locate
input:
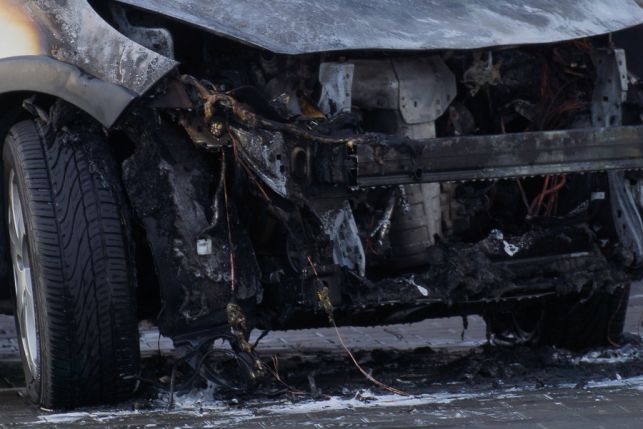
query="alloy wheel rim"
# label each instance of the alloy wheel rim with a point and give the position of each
(22, 275)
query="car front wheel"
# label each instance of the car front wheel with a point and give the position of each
(72, 274)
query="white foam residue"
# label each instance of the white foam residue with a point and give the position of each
(510, 249)
(64, 417)
(411, 280)
(422, 290)
(199, 403)
(376, 401)
(611, 356)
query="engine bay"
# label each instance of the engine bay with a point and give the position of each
(386, 187)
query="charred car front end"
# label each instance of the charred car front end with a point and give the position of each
(303, 163)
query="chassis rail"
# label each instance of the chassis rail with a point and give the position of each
(495, 156)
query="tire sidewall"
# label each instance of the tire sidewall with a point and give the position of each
(11, 161)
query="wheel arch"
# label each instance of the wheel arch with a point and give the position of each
(104, 101)
(26, 76)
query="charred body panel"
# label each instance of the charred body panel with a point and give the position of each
(301, 26)
(169, 183)
(67, 50)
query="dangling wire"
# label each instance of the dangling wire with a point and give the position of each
(324, 299)
(558, 182)
(275, 374)
(233, 282)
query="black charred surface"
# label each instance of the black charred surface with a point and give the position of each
(523, 210)
(467, 278)
(169, 184)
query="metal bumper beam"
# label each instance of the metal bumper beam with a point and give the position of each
(496, 156)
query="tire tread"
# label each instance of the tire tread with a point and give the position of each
(79, 230)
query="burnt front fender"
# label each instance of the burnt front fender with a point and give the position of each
(103, 100)
(65, 49)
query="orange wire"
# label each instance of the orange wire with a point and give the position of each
(312, 265)
(350, 354)
(227, 212)
(537, 203)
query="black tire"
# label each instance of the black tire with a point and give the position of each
(82, 273)
(574, 322)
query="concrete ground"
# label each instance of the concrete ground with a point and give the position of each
(454, 383)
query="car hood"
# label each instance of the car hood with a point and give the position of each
(308, 26)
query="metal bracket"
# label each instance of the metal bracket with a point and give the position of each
(609, 94)
(336, 80)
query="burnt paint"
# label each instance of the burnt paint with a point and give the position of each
(19, 33)
(308, 26)
(64, 48)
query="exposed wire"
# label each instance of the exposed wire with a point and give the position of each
(275, 374)
(247, 117)
(535, 205)
(359, 367)
(312, 265)
(233, 285)
(190, 381)
(558, 182)
(559, 186)
(327, 305)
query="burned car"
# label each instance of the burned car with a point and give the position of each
(224, 165)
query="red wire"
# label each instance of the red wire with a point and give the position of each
(312, 265)
(535, 205)
(534, 209)
(559, 186)
(227, 212)
(368, 376)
